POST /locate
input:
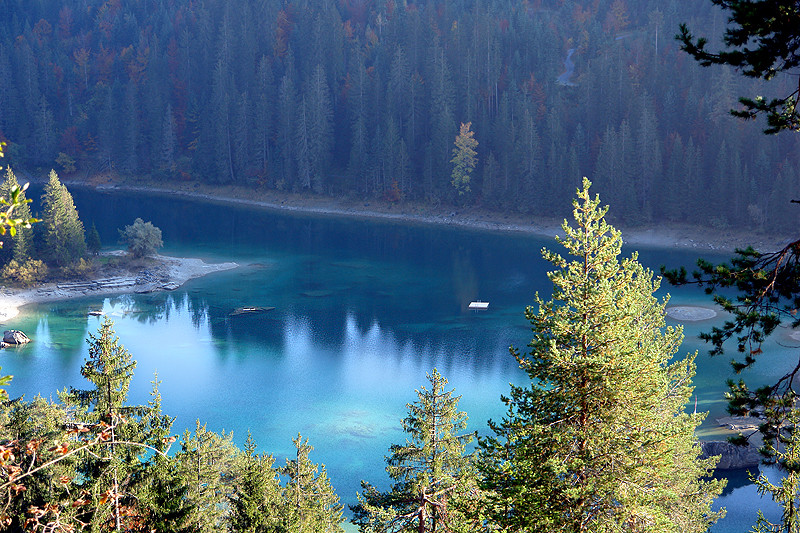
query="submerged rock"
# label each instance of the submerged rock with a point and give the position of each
(732, 457)
(13, 336)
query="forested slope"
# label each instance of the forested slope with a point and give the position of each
(364, 98)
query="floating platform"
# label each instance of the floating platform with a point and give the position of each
(250, 310)
(479, 305)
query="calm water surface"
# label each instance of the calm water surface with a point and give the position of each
(363, 310)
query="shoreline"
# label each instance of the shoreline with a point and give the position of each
(164, 273)
(657, 235)
(176, 271)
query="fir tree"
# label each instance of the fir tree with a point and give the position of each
(599, 440)
(64, 237)
(433, 476)
(161, 490)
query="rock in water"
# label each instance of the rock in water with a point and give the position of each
(13, 336)
(731, 456)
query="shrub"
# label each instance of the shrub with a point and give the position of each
(26, 274)
(142, 238)
(82, 269)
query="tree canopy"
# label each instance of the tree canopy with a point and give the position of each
(762, 40)
(599, 440)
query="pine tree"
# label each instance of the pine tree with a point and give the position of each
(310, 502)
(599, 441)
(787, 494)
(433, 476)
(64, 237)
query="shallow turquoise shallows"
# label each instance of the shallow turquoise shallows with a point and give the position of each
(363, 310)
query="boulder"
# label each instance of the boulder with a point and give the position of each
(732, 457)
(13, 336)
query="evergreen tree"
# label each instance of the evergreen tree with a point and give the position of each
(762, 40)
(161, 490)
(599, 441)
(93, 243)
(207, 464)
(64, 237)
(310, 502)
(255, 500)
(21, 243)
(433, 477)
(785, 453)
(108, 472)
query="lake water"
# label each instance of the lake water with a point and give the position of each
(363, 310)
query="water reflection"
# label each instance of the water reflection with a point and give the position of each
(362, 311)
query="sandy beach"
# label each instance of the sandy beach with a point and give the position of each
(159, 274)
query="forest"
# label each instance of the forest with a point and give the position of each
(364, 98)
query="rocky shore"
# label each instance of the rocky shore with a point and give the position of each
(158, 273)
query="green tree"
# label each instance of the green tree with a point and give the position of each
(64, 238)
(256, 498)
(161, 491)
(143, 238)
(207, 464)
(599, 440)
(762, 40)
(93, 243)
(109, 471)
(465, 158)
(787, 456)
(309, 501)
(22, 233)
(433, 477)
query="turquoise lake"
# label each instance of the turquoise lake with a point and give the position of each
(363, 310)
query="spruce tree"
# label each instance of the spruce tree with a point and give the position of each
(309, 499)
(207, 463)
(93, 243)
(599, 439)
(64, 237)
(160, 488)
(433, 477)
(109, 471)
(255, 500)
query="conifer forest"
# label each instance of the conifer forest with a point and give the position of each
(363, 99)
